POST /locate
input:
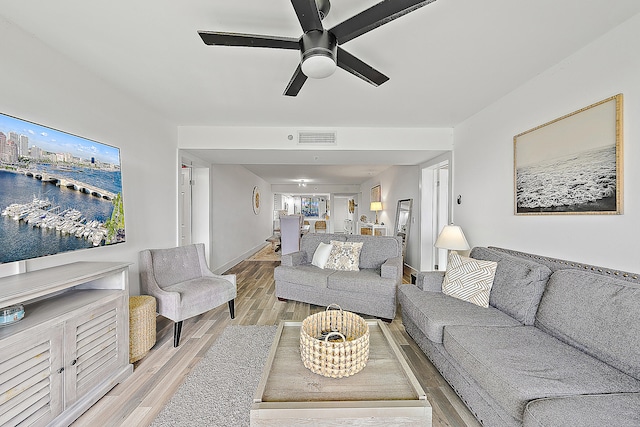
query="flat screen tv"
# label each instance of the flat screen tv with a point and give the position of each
(58, 192)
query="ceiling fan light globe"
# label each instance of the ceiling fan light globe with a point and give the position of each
(318, 66)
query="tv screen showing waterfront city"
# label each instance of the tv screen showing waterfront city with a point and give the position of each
(58, 192)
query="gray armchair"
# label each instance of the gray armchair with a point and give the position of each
(183, 285)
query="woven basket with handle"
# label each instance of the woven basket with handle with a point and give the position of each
(334, 343)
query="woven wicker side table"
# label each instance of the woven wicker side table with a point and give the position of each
(142, 326)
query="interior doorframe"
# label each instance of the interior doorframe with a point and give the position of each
(200, 206)
(427, 226)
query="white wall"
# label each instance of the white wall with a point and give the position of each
(396, 183)
(236, 231)
(276, 138)
(40, 85)
(483, 158)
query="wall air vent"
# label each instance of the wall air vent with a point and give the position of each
(317, 138)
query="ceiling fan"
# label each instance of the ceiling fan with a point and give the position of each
(320, 48)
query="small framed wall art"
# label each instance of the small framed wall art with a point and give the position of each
(573, 164)
(375, 194)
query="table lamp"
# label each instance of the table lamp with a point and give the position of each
(376, 206)
(452, 238)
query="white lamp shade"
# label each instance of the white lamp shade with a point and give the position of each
(376, 206)
(318, 66)
(451, 237)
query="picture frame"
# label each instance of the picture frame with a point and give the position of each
(573, 164)
(375, 194)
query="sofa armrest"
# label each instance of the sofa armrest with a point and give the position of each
(430, 280)
(293, 259)
(392, 269)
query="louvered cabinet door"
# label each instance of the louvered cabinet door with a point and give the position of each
(31, 383)
(94, 348)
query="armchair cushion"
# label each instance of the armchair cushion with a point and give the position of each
(201, 294)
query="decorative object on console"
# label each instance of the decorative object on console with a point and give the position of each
(11, 314)
(469, 279)
(255, 200)
(376, 206)
(452, 238)
(573, 164)
(330, 358)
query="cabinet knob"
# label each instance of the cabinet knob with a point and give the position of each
(61, 370)
(74, 362)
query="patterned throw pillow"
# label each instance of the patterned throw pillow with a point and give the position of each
(344, 256)
(469, 279)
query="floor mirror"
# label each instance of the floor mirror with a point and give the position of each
(403, 222)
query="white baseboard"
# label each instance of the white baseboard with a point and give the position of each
(238, 259)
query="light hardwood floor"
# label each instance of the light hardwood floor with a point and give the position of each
(138, 399)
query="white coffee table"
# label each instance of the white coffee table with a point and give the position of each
(384, 393)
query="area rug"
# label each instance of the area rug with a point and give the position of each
(265, 254)
(220, 389)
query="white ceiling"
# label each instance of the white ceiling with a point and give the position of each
(315, 166)
(446, 61)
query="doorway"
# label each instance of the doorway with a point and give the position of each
(435, 211)
(193, 205)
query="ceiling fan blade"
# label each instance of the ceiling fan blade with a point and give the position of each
(296, 82)
(350, 63)
(249, 40)
(377, 15)
(308, 15)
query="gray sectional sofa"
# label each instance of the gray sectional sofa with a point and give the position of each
(558, 346)
(372, 290)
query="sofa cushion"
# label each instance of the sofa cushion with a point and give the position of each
(377, 249)
(433, 311)
(597, 314)
(367, 280)
(309, 242)
(469, 279)
(344, 256)
(519, 364)
(518, 284)
(321, 255)
(596, 410)
(306, 275)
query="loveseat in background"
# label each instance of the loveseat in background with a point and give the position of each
(371, 290)
(559, 344)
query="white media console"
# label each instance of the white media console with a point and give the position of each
(72, 346)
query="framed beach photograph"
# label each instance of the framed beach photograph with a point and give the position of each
(573, 164)
(375, 194)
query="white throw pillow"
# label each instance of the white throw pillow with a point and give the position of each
(321, 255)
(469, 279)
(345, 256)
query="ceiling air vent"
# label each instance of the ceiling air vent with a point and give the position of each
(317, 138)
